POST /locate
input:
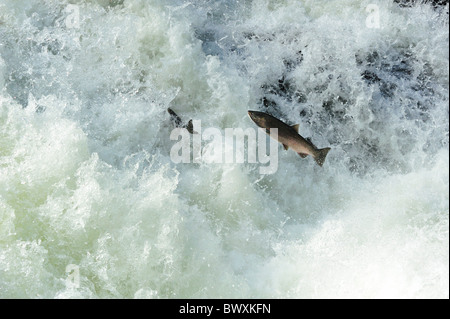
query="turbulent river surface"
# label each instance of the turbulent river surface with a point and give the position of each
(93, 205)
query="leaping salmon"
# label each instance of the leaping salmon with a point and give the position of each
(289, 136)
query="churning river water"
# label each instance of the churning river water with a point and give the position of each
(93, 206)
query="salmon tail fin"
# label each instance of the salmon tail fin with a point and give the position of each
(321, 154)
(190, 127)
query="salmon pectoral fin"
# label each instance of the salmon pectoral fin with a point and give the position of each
(285, 147)
(302, 155)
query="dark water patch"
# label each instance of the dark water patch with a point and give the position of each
(385, 72)
(411, 3)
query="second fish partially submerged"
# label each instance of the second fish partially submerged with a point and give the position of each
(177, 122)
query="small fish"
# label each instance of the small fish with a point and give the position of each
(176, 120)
(289, 137)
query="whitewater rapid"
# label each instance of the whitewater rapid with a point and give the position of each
(93, 206)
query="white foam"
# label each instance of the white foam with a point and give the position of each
(86, 177)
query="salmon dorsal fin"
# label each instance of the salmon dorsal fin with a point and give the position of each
(285, 147)
(296, 127)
